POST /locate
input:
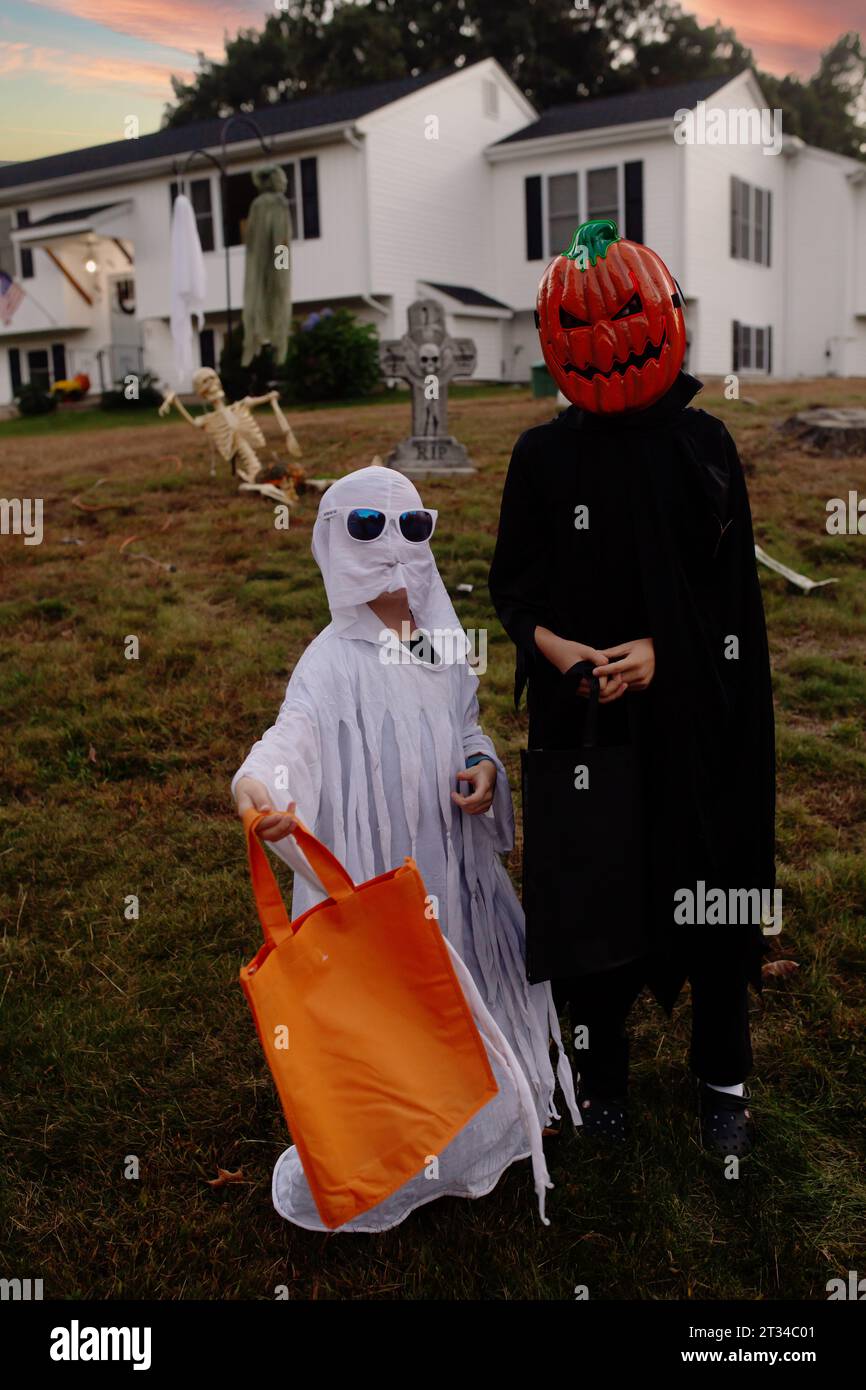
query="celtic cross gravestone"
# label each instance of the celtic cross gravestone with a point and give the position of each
(429, 359)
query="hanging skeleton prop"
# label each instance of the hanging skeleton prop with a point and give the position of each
(236, 434)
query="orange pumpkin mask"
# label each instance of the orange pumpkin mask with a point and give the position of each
(611, 322)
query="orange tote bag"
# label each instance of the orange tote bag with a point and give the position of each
(368, 1035)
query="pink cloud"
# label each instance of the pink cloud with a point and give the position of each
(785, 35)
(192, 25)
(85, 71)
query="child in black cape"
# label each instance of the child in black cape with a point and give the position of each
(651, 591)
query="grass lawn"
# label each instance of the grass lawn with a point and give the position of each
(132, 1037)
(64, 420)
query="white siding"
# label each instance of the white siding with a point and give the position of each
(430, 199)
(827, 255)
(725, 288)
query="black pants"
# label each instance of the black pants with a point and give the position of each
(721, 1049)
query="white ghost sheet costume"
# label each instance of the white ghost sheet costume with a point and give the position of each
(369, 749)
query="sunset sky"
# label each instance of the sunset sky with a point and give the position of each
(73, 70)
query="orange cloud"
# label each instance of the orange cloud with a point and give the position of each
(192, 25)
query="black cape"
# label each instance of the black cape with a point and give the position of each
(669, 547)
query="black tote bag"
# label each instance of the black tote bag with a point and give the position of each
(584, 874)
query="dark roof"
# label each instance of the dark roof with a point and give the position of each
(303, 113)
(649, 104)
(468, 296)
(74, 215)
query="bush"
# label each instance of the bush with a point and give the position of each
(148, 396)
(331, 356)
(32, 400)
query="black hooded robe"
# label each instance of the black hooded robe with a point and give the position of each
(669, 552)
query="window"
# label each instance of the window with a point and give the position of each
(750, 222)
(562, 211)
(239, 191)
(303, 211)
(602, 193)
(25, 252)
(752, 348)
(596, 189)
(490, 97)
(7, 257)
(207, 348)
(199, 193)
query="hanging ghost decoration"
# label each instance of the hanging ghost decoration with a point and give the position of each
(610, 318)
(267, 272)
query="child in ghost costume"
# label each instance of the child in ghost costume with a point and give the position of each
(366, 750)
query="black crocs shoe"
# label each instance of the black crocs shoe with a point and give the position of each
(727, 1130)
(604, 1117)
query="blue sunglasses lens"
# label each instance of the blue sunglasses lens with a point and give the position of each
(365, 524)
(416, 526)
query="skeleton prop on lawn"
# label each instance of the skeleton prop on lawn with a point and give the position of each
(234, 432)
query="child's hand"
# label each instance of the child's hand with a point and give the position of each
(252, 795)
(562, 653)
(483, 779)
(634, 663)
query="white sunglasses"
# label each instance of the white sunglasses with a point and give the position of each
(368, 523)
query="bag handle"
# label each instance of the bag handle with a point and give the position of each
(583, 670)
(269, 900)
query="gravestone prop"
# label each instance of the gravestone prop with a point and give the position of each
(428, 358)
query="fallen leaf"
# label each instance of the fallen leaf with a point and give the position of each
(226, 1177)
(779, 969)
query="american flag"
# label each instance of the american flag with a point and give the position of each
(11, 295)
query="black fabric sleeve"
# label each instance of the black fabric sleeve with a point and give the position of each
(519, 574)
(519, 577)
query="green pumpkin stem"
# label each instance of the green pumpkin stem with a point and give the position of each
(595, 238)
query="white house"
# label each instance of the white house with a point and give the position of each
(450, 186)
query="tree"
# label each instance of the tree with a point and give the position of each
(554, 50)
(830, 109)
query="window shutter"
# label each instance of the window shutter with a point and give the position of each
(735, 212)
(15, 370)
(769, 348)
(25, 252)
(310, 197)
(532, 197)
(768, 224)
(736, 346)
(58, 362)
(634, 200)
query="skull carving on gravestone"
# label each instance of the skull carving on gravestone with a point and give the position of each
(429, 358)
